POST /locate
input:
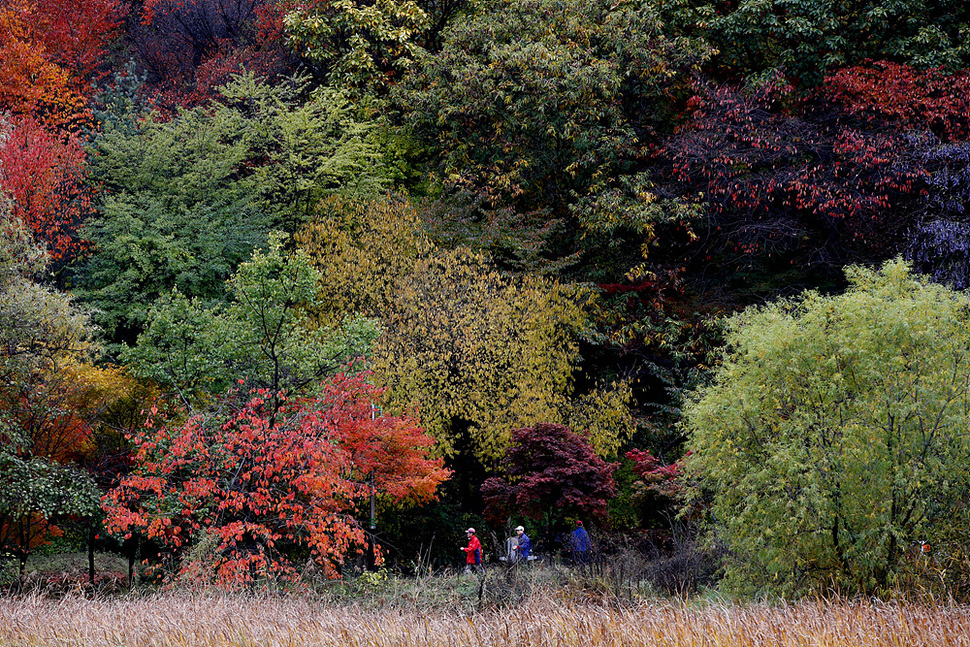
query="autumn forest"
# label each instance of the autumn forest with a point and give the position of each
(294, 289)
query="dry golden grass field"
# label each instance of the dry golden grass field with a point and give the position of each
(200, 620)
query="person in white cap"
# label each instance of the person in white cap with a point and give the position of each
(524, 546)
(473, 553)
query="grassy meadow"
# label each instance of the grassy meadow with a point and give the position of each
(204, 619)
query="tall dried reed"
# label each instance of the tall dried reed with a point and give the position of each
(201, 620)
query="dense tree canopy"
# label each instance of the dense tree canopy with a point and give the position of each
(477, 352)
(183, 201)
(262, 337)
(518, 214)
(356, 43)
(835, 433)
(536, 113)
(809, 38)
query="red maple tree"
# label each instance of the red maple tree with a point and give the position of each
(191, 47)
(76, 35)
(234, 496)
(42, 171)
(884, 93)
(786, 176)
(654, 477)
(49, 53)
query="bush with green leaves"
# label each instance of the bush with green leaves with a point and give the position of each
(810, 38)
(836, 433)
(538, 116)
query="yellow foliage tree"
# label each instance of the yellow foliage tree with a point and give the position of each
(474, 350)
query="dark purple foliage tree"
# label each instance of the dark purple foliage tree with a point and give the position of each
(551, 473)
(939, 245)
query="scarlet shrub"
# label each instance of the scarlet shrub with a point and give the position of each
(43, 171)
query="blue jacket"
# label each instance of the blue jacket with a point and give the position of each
(525, 545)
(580, 540)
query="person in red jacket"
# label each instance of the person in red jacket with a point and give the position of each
(473, 553)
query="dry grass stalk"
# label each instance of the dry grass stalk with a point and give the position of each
(208, 620)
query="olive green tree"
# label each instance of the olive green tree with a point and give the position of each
(837, 432)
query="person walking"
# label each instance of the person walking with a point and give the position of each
(579, 544)
(524, 546)
(473, 553)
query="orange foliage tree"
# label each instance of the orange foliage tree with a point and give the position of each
(42, 172)
(49, 52)
(236, 494)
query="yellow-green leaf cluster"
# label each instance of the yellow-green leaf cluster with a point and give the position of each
(837, 432)
(467, 346)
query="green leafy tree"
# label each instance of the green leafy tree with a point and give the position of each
(835, 433)
(184, 200)
(263, 337)
(809, 38)
(356, 43)
(538, 115)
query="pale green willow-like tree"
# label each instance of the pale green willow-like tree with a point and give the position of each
(835, 434)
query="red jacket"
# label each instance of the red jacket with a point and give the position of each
(473, 554)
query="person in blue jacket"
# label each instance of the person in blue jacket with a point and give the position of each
(579, 543)
(523, 547)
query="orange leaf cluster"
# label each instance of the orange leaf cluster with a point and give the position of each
(48, 53)
(258, 483)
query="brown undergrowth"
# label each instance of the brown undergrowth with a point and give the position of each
(208, 619)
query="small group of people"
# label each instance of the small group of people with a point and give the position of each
(520, 546)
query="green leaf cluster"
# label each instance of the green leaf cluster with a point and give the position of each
(836, 433)
(359, 44)
(543, 110)
(185, 198)
(808, 38)
(264, 335)
(37, 486)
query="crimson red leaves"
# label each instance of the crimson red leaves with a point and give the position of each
(550, 468)
(248, 494)
(42, 171)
